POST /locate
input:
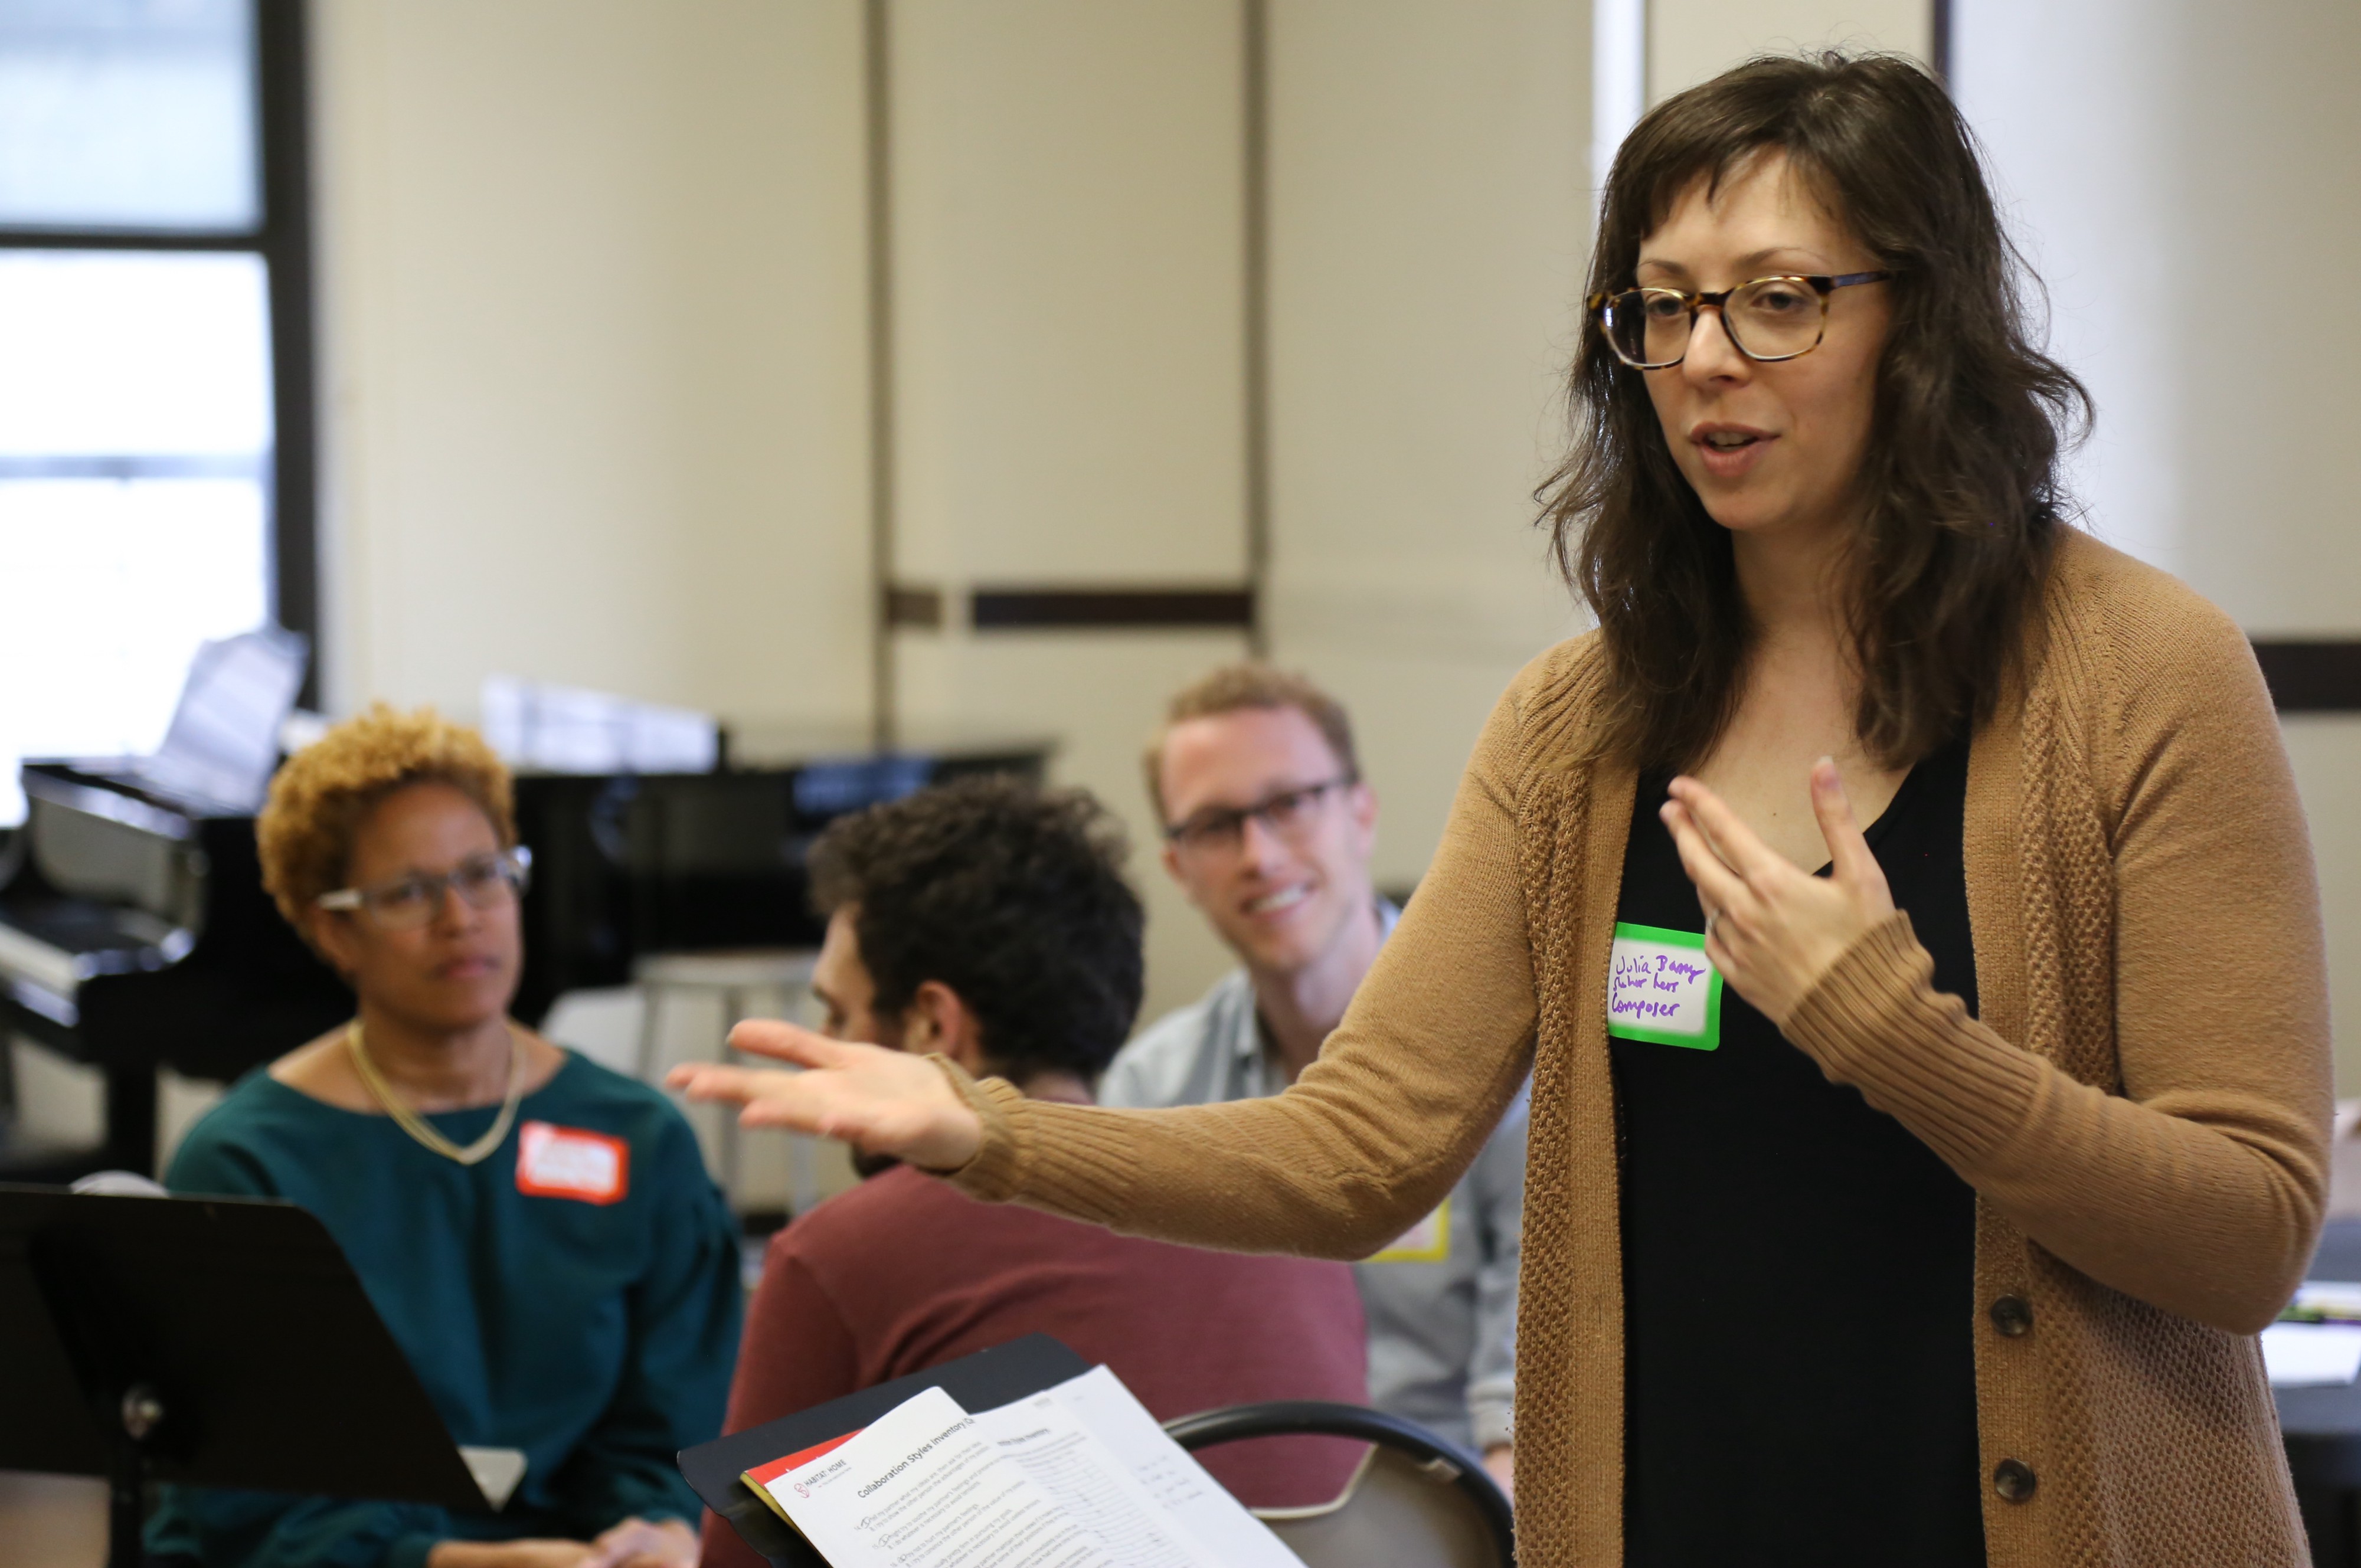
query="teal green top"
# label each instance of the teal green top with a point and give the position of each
(597, 1337)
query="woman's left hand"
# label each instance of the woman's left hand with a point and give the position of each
(637, 1543)
(1772, 929)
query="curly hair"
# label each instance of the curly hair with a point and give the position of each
(1234, 689)
(1011, 895)
(1960, 491)
(321, 796)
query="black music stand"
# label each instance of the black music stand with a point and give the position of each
(220, 1342)
(984, 1381)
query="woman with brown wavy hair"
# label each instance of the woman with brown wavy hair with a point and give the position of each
(1919, 1211)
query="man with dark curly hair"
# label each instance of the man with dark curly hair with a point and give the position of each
(989, 922)
(984, 910)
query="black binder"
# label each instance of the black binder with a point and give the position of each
(984, 1381)
(215, 1341)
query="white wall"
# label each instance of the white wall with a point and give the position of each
(591, 297)
(2171, 166)
(1689, 40)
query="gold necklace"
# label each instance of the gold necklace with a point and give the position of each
(417, 1126)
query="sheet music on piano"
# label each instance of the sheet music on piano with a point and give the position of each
(223, 743)
(134, 929)
(568, 729)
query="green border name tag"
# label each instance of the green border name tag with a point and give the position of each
(1661, 989)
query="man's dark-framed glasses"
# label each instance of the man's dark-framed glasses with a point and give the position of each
(1287, 813)
(485, 882)
(1766, 319)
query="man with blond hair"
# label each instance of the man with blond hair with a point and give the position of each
(1268, 827)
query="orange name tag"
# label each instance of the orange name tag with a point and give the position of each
(567, 1162)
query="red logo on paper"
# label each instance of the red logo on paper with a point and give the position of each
(567, 1162)
(763, 1474)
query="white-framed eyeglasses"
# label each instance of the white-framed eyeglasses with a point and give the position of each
(484, 881)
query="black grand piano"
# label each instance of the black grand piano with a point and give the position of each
(134, 932)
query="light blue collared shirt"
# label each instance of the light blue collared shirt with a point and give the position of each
(1442, 1303)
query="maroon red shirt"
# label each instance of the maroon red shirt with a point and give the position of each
(904, 1273)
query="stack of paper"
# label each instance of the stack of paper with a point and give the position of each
(1077, 1476)
(2318, 1340)
(2301, 1356)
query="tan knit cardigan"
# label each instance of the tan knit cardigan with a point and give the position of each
(2142, 1107)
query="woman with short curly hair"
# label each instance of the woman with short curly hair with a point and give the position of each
(539, 1233)
(318, 800)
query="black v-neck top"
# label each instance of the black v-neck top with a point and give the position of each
(1798, 1270)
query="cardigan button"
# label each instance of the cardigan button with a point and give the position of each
(2013, 1316)
(2014, 1480)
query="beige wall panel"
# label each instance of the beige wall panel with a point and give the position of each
(1098, 696)
(1067, 263)
(1429, 193)
(1689, 40)
(1068, 270)
(592, 302)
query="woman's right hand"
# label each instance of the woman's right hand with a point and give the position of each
(881, 1101)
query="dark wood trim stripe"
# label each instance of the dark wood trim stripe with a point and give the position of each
(2312, 674)
(1031, 609)
(914, 606)
(13, 238)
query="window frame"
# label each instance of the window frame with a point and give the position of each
(284, 240)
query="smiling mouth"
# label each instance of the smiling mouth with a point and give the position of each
(1285, 898)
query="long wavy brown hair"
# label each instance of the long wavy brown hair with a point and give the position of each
(1959, 495)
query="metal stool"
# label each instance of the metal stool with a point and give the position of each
(1416, 1501)
(734, 980)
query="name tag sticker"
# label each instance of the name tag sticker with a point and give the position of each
(1429, 1241)
(1661, 989)
(567, 1162)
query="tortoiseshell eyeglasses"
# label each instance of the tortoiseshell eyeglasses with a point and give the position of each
(1766, 319)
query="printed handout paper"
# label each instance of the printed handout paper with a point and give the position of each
(1078, 1476)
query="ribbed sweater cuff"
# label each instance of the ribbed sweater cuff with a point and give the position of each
(1875, 1021)
(1072, 1159)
